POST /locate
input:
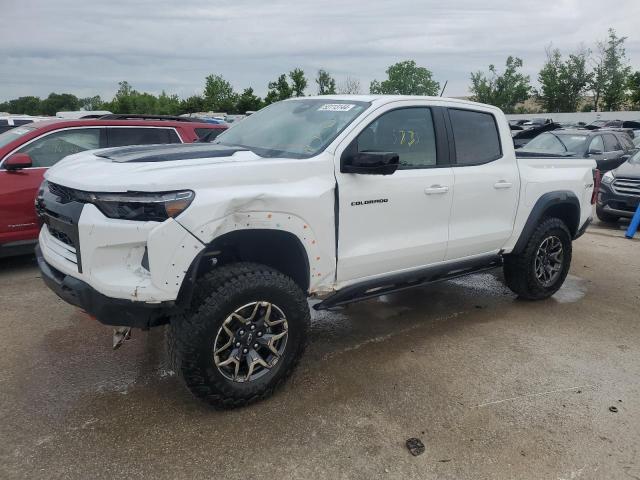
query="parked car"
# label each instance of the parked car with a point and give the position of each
(619, 193)
(7, 122)
(532, 129)
(341, 198)
(27, 151)
(608, 148)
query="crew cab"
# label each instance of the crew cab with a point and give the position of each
(27, 151)
(336, 198)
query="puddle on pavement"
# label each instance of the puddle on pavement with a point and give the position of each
(482, 282)
(573, 289)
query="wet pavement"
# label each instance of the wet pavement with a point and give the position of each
(494, 387)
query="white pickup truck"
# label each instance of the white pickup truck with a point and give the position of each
(340, 198)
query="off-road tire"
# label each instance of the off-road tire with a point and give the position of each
(519, 269)
(606, 217)
(216, 296)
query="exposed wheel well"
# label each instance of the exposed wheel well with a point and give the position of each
(569, 213)
(563, 205)
(277, 249)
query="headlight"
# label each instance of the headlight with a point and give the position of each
(608, 177)
(155, 207)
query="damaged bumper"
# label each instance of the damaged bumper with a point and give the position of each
(109, 311)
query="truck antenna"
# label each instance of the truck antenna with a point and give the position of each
(445, 86)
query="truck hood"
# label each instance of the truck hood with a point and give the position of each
(151, 167)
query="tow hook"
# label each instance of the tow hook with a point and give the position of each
(120, 335)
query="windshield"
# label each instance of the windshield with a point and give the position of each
(555, 143)
(293, 128)
(15, 133)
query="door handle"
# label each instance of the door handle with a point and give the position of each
(436, 189)
(502, 184)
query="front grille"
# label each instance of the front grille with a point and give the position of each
(63, 237)
(626, 186)
(64, 194)
(59, 208)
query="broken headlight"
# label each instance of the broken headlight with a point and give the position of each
(143, 207)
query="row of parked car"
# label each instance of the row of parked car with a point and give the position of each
(29, 148)
(613, 144)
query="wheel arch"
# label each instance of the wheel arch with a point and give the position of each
(278, 249)
(562, 204)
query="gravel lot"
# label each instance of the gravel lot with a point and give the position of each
(494, 387)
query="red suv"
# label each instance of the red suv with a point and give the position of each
(27, 151)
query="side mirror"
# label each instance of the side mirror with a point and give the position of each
(18, 161)
(371, 163)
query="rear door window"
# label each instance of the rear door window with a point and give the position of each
(476, 136)
(596, 145)
(50, 149)
(611, 143)
(627, 144)
(125, 136)
(208, 134)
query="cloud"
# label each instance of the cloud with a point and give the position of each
(87, 47)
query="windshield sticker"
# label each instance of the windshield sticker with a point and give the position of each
(336, 107)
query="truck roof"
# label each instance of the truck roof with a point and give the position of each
(383, 99)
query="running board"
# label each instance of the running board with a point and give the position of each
(404, 281)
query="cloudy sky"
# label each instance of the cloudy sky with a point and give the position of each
(86, 47)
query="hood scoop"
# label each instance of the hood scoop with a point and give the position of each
(167, 153)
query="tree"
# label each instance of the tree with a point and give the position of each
(91, 103)
(326, 83)
(502, 90)
(167, 104)
(350, 86)
(298, 82)
(58, 102)
(193, 104)
(278, 90)
(616, 71)
(219, 95)
(405, 78)
(28, 105)
(247, 101)
(633, 85)
(563, 82)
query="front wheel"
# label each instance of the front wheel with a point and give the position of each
(244, 338)
(541, 268)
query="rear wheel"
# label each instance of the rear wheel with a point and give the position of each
(541, 268)
(244, 338)
(606, 217)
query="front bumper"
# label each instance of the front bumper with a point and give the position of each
(613, 203)
(110, 311)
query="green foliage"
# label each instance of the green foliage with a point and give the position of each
(502, 90)
(405, 78)
(27, 105)
(219, 95)
(193, 104)
(248, 101)
(298, 82)
(326, 83)
(616, 71)
(57, 102)
(633, 85)
(278, 90)
(563, 82)
(91, 103)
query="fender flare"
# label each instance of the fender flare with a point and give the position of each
(542, 205)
